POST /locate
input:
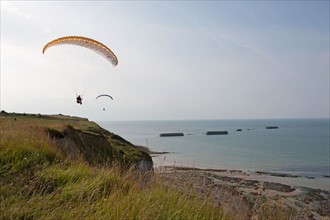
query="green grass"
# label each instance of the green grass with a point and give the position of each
(37, 181)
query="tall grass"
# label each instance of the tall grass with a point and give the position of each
(79, 191)
(38, 182)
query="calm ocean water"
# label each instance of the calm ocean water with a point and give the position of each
(298, 146)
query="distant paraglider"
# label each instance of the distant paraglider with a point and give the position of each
(88, 43)
(103, 95)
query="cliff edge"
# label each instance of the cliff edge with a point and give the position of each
(80, 139)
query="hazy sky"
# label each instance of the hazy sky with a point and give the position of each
(177, 60)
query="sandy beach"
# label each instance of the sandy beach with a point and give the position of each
(248, 193)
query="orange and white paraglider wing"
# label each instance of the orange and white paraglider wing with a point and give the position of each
(88, 43)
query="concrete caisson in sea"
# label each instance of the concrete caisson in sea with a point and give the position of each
(216, 132)
(171, 134)
(271, 127)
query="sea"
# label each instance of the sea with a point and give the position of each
(297, 146)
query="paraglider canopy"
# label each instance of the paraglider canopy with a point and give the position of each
(88, 43)
(104, 95)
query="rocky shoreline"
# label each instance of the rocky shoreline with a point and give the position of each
(249, 193)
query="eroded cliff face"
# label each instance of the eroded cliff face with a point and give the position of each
(100, 148)
(79, 138)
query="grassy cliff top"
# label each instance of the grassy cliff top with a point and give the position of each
(62, 167)
(75, 137)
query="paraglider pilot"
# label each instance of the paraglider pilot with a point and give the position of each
(79, 100)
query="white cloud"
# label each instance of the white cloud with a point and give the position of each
(11, 8)
(47, 30)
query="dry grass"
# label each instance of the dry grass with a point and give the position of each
(38, 182)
